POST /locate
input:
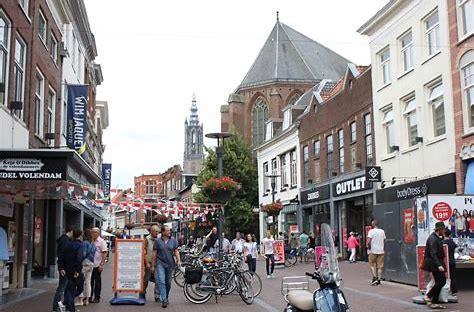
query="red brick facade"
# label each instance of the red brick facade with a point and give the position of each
(149, 184)
(459, 47)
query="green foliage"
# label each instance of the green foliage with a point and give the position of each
(237, 164)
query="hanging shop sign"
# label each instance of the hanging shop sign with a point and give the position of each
(315, 194)
(77, 100)
(106, 179)
(350, 186)
(373, 174)
(32, 169)
(444, 184)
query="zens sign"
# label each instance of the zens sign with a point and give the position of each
(351, 186)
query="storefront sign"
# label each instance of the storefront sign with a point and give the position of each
(106, 179)
(279, 250)
(373, 174)
(408, 226)
(445, 184)
(77, 100)
(32, 169)
(351, 186)
(315, 194)
(129, 268)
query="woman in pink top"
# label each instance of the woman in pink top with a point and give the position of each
(352, 244)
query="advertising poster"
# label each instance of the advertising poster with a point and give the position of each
(129, 269)
(422, 219)
(294, 228)
(77, 99)
(318, 252)
(424, 276)
(408, 224)
(279, 251)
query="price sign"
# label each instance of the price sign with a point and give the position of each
(442, 211)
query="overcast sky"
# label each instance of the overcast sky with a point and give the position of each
(155, 54)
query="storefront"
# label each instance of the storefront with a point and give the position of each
(315, 208)
(40, 192)
(288, 217)
(396, 212)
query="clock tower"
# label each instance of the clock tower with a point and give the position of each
(193, 142)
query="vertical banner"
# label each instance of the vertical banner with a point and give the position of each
(77, 99)
(106, 180)
(279, 251)
(408, 226)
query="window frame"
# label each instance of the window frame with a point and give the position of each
(434, 102)
(410, 115)
(462, 31)
(468, 108)
(39, 107)
(265, 169)
(293, 170)
(406, 50)
(385, 64)
(286, 119)
(5, 49)
(24, 4)
(329, 154)
(340, 136)
(19, 68)
(43, 37)
(368, 138)
(353, 127)
(283, 179)
(260, 108)
(51, 111)
(388, 128)
(435, 28)
(317, 151)
(53, 49)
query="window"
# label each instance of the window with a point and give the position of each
(268, 131)
(39, 103)
(42, 27)
(50, 118)
(286, 119)
(284, 180)
(330, 148)
(293, 175)
(265, 179)
(4, 50)
(353, 132)
(385, 65)
(410, 120)
(53, 47)
(259, 117)
(74, 51)
(432, 33)
(436, 102)
(274, 166)
(406, 42)
(19, 74)
(466, 17)
(387, 123)
(317, 148)
(305, 153)
(340, 135)
(24, 5)
(467, 73)
(150, 187)
(368, 138)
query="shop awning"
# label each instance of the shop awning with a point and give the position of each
(469, 183)
(290, 208)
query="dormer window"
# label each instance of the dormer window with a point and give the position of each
(286, 119)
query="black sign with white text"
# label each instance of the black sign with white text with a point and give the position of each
(315, 194)
(373, 174)
(349, 186)
(32, 169)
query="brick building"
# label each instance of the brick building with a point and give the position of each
(148, 186)
(461, 41)
(288, 64)
(336, 143)
(172, 182)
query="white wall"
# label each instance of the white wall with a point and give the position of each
(13, 133)
(436, 154)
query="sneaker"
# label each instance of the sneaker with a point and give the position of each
(61, 306)
(96, 300)
(164, 304)
(273, 275)
(269, 276)
(436, 306)
(157, 299)
(378, 282)
(374, 281)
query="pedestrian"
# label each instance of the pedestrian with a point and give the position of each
(149, 246)
(73, 266)
(238, 243)
(434, 263)
(250, 253)
(304, 240)
(352, 244)
(376, 247)
(225, 244)
(165, 257)
(294, 245)
(62, 244)
(452, 262)
(87, 266)
(211, 239)
(268, 251)
(312, 241)
(99, 261)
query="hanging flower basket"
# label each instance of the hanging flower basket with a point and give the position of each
(220, 190)
(162, 219)
(272, 209)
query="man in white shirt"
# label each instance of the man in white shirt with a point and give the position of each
(238, 243)
(376, 248)
(268, 246)
(99, 261)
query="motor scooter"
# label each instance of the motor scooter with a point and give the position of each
(329, 297)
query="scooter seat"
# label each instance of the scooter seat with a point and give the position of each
(301, 299)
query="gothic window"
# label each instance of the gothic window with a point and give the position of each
(293, 100)
(259, 117)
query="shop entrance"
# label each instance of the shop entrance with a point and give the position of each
(359, 216)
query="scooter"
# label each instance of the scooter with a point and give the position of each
(329, 297)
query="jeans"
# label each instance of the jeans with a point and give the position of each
(96, 283)
(74, 288)
(148, 274)
(163, 277)
(352, 258)
(452, 275)
(59, 291)
(270, 263)
(440, 280)
(252, 264)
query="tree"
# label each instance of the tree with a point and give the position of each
(238, 164)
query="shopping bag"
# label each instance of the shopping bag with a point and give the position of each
(443, 295)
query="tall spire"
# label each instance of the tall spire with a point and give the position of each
(194, 118)
(278, 16)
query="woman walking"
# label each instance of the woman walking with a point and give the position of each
(352, 244)
(268, 254)
(87, 266)
(250, 253)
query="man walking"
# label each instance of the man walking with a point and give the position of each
(238, 243)
(99, 261)
(434, 263)
(304, 240)
(164, 253)
(269, 254)
(63, 243)
(73, 265)
(149, 245)
(376, 247)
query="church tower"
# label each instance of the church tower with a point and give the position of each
(193, 142)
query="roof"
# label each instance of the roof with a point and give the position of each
(290, 56)
(368, 26)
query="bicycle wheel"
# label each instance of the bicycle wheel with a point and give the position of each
(194, 295)
(290, 260)
(255, 280)
(178, 277)
(231, 286)
(245, 290)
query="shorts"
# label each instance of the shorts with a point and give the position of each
(376, 259)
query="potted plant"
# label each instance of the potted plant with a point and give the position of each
(272, 209)
(220, 190)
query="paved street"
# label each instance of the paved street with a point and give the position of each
(361, 296)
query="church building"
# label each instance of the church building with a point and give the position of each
(193, 143)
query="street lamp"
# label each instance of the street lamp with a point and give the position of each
(220, 137)
(273, 178)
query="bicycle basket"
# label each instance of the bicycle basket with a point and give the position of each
(192, 275)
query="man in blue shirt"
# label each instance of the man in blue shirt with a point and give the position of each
(164, 253)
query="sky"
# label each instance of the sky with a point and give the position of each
(155, 54)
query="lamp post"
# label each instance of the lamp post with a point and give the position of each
(273, 178)
(220, 137)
